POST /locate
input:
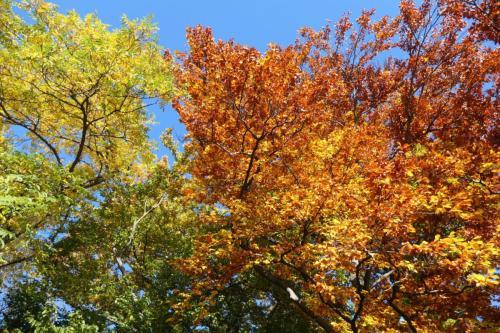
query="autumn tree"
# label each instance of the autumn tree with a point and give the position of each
(74, 117)
(355, 170)
(78, 92)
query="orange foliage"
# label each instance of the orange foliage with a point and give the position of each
(357, 167)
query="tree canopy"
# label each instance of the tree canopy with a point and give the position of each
(367, 190)
(345, 183)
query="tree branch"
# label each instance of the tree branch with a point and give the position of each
(321, 321)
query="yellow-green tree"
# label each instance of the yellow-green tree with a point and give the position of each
(77, 93)
(79, 89)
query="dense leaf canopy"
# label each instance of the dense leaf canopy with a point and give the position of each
(345, 183)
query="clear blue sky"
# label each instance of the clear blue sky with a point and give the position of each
(253, 22)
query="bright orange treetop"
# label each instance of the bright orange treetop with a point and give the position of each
(357, 169)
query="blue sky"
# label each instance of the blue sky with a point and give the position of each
(255, 23)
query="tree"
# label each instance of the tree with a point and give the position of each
(73, 124)
(365, 192)
(78, 91)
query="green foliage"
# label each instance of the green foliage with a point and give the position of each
(127, 277)
(33, 193)
(30, 310)
(249, 304)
